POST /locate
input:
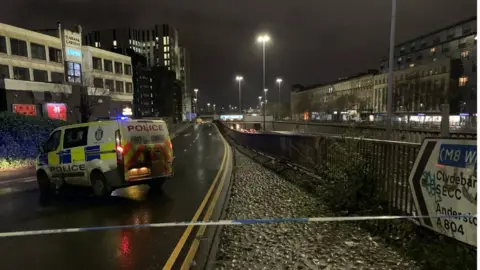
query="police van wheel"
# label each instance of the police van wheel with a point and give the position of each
(44, 185)
(99, 185)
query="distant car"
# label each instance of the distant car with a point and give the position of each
(198, 121)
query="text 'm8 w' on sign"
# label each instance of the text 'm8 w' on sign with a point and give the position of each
(443, 182)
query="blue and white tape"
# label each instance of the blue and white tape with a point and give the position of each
(220, 223)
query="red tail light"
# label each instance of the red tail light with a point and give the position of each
(118, 146)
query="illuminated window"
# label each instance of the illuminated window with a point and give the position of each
(165, 63)
(462, 81)
(412, 65)
(130, 41)
(166, 56)
(465, 54)
(115, 43)
(74, 72)
(97, 44)
(165, 42)
(432, 50)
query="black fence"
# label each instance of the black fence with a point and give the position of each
(389, 162)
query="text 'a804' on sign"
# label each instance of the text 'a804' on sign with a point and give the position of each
(443, 181)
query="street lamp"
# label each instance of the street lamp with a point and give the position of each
(214, 109)
(208, 107)
(263, 39)
(196, 98)
(239, 80)
(390, 70)
(279, 81)
(265, 108)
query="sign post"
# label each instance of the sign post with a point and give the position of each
(443, 182)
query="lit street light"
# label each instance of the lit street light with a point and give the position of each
(263, 39)
(196, 98)
(208, 107)
(239, 80)
(265, 107)
(214, 109)
(279, 81)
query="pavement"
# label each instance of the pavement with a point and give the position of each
(199, 151)
(258, 192)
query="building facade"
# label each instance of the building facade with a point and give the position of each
(430, 70)
(108, 78)
(344, 99)
(160, 47)
(45, 75)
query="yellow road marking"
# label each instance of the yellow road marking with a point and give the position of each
(196, 242)
(178, 248)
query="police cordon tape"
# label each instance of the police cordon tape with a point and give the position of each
(221, 223)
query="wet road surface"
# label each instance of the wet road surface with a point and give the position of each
(198, 152)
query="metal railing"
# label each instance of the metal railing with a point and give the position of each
(389, 162)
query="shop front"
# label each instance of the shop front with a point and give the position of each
(36, 103)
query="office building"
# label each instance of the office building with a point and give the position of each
(49, 74)
(160, 47)
(108, 78)
(185, 79)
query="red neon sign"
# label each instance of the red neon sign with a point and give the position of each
(57, 111)
(26, 109)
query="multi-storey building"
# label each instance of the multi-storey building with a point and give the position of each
(160, 47)
(430, 70)
(108, 77)
(343, 99)
(185, 79)
(31, 71)
(49, 75)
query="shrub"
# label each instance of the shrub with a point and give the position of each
(347, 184)
(21, 136)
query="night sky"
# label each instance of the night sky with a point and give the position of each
(313, 41)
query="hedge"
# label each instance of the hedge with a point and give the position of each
(20, 138)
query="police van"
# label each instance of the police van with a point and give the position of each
(106, 155)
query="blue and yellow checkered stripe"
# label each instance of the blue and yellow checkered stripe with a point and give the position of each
(82, 153)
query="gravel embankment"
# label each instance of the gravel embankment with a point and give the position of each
(260, 193)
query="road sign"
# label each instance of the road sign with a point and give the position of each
(443, 181)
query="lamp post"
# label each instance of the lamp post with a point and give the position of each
(265, 108)
(196, 98)
(239, 80)
(279, 81)
(208, 107)
(214, 109)
(390, 70)
(260, 102)
(195, 102)
(263, 39)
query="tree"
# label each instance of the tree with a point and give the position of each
(90, 96)
(277, 109)
(301, 103)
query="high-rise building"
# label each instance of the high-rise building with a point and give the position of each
(185, 79)
(160, 47)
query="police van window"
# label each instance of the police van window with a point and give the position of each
(75, 137)
(53, 141)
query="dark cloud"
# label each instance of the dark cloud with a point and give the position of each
(312, 41)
